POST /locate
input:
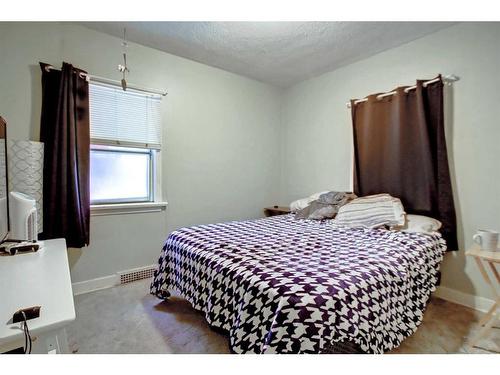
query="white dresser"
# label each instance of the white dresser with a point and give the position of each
(37, 279)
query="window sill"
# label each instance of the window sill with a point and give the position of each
(126, 208)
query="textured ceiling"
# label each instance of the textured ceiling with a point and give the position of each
(279, 53)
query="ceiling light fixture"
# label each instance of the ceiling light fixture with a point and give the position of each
(123, 68)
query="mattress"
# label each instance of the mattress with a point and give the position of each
(281, 285)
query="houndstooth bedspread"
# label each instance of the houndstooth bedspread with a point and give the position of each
(281, 285)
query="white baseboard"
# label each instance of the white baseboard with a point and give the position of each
(475, 302)
(88, 286)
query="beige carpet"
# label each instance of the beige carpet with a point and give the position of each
(127, 319)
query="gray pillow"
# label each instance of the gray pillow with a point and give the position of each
(333, 197)
(325, 207)
(316, 210)
(326, 212)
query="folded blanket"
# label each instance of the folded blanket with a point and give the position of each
(326, 206)
(372, 211)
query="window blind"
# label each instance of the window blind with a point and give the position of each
(126, 118)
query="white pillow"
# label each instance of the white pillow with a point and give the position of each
(300, 204)
(420, 224)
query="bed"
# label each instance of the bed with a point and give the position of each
(282, 285)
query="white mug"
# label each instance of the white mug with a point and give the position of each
(487, 239)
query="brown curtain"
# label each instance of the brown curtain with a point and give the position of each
(64, 129)
(400, 149)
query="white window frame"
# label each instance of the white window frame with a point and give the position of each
(155, 202)
(150, 153)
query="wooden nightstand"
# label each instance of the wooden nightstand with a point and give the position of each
(491, 258)
(276, 210)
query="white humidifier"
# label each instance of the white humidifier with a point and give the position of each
(23, 217)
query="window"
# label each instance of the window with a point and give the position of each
(121, 174)
(125, 131)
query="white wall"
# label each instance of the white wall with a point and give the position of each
(317, 139)
(220, 159)
(223, 158)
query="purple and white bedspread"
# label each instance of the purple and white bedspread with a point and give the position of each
(280, 285)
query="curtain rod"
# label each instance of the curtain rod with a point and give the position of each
(449, 78)
(108, 81)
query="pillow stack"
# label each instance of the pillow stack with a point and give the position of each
(372, 211)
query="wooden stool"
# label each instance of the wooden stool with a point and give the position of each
(491, 258)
